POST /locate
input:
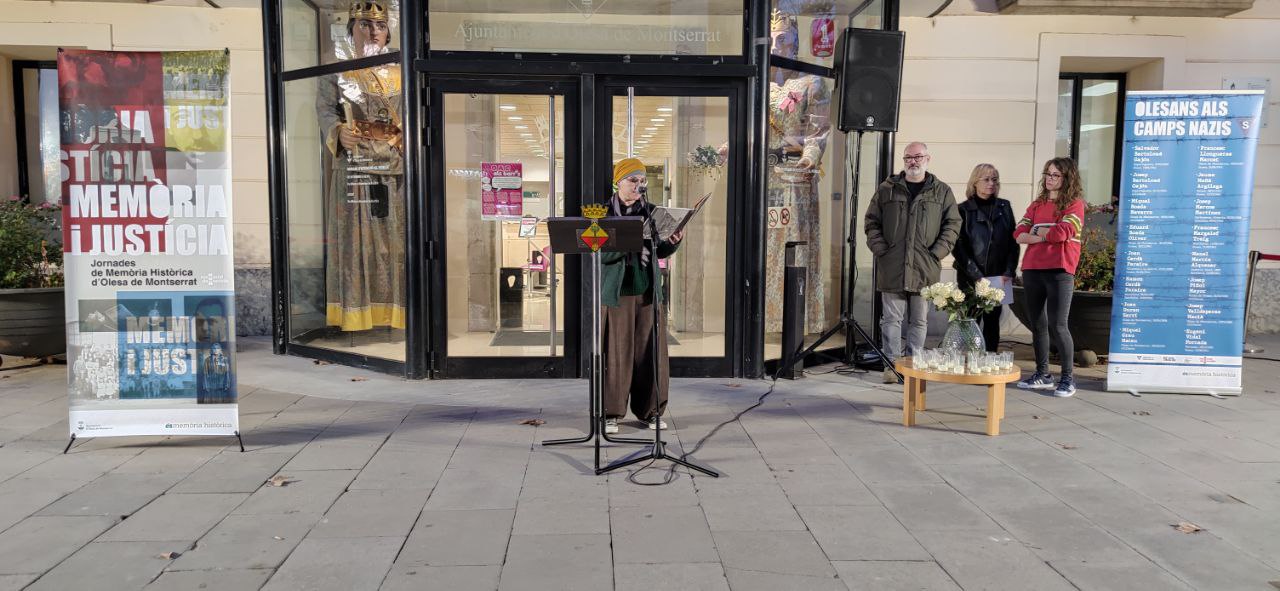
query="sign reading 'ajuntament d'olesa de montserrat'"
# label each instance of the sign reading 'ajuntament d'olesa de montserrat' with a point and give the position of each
(147, 243)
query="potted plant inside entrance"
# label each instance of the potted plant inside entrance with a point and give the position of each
(1090, 316)
(31, 299)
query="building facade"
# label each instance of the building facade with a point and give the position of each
(407, 256)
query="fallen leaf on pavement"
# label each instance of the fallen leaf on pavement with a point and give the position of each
(1187, 527)
(534, 422)
(357, 379)
(280, 480)
(1067, 446)
(169, 555)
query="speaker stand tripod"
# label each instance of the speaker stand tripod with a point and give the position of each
(847, 321)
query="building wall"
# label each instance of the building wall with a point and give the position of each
(39, 28)
(983, 88)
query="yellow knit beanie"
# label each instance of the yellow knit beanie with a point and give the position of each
(627, 167)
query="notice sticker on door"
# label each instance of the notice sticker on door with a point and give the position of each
(500, 194)
(779, 217)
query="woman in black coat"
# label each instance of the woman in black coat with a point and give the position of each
(986, 247)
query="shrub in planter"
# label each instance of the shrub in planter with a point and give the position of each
(31, 240)
(31, 298)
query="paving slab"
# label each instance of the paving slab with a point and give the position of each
(748, 507)
(15, 582)
(786, 553)
(564, 562)
(372, 513)
(888, 575)
(175, 517)
(232, 471)
(37, 544)
(669, 577)
(248, 541)
(210, 580)
(667, 535)
(118, 566)
(990, 559)
(564, 516)
(114, 494)
(338, 564)
(751, 580)
(441, 578)
(459, 538)
(497, 487)
(1118, 576)
(305, 492)
(861, 533)
(336, 453)
(932, 506)
(823, 485)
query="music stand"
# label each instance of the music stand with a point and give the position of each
(657, 449)
(623, 234)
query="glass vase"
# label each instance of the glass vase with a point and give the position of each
(963, 335)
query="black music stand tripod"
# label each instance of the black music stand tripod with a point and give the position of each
(623, 235)
(658, 449)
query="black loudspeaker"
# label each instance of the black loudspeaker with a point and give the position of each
(868, 79)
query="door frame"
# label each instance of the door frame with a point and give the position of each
(440, 364)
(736, 273)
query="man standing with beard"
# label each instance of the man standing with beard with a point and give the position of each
(912, 224)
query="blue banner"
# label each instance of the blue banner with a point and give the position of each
(1177, 313)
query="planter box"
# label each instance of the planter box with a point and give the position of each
(32, 322)
(1089, 320)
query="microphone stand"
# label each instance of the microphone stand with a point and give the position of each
(658, 450)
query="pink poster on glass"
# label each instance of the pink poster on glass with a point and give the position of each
(500, 194)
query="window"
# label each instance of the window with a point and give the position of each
(587, 26)
(807, 31)
(1090, 124)
(35, 101)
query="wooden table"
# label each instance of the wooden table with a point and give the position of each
(913, 388)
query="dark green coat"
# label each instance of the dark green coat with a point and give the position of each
(615, 266)
(910, 237)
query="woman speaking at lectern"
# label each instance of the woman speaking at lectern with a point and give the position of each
(629, 296)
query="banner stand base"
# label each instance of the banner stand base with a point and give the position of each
(66, 449)
(1219, 395)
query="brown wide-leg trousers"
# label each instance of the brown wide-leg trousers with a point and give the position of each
(629, 359)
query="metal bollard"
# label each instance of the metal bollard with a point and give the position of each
(794, 285)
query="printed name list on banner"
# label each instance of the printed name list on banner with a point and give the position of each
(500, 194)
(147, 243)
(1177, 315)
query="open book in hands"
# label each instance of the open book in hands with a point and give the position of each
(669, 220)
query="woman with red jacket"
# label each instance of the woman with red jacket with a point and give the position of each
(1051, 230)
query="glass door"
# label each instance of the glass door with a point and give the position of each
(499, 296)
(682, 134)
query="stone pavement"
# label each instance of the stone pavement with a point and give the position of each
(438, 485)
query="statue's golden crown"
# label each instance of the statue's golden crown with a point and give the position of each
(595, 211)
(367, 9)
(781, 21)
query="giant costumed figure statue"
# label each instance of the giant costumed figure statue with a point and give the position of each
(799, 124)
(359, 114)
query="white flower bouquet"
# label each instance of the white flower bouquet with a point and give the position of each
(959, 305)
